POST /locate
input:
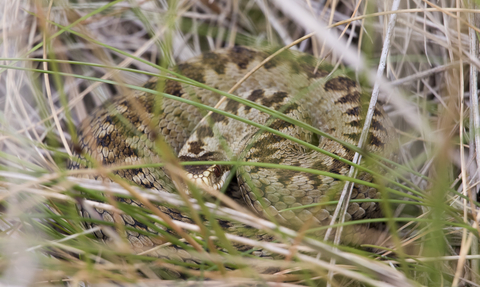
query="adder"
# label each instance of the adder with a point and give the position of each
(124, 131)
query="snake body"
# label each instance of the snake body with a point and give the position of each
(124, 132)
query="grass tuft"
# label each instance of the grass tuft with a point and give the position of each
(61, 59)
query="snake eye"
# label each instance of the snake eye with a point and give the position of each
(217, 171)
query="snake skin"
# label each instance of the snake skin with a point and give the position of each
(121, 133)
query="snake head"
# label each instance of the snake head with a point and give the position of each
(213, 175)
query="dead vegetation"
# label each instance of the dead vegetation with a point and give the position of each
(60, 59)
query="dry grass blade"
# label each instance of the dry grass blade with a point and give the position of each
(417, 67)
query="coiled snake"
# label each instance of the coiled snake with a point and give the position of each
(290, 83)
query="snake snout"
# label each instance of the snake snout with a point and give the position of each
(211, 175)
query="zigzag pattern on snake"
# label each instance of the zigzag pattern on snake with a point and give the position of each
(120, 133)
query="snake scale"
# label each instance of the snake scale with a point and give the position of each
(121, 132)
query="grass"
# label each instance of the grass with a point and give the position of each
(61, 59)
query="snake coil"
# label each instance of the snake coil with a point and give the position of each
(122, 133)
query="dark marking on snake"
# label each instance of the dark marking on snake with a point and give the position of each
(108, 119)
(241, 56)
(196, 147)
(153, 136)
(353, 112)
(255, 95)
(104, 141)
(276, 98)
(77, 148)
(340, 84)
(127, 151)
(353, 98)
(376, 125)
(266, 140)
(193, 72)
(133, 118)
(373, 140)
(279, 96)
(272, 63)
(232, 106)
(281, 125)
(173, 88)
(313, 72)
(291, 108)
(218, 118)
(337, 166)
(203, 157)
(354, 123)
(195, 169)
(353, 136)
(150, 85)
(215, 61)
(205, 131)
